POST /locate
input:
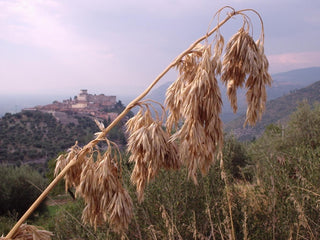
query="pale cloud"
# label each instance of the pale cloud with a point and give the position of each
(121, 46)
(290, 61)
(53, 55)
(39, 24)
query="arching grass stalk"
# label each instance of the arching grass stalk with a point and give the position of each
(194, 99)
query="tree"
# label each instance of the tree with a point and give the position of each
(304, 126)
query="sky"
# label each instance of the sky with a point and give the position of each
(119, 47)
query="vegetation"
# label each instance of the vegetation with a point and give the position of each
(266, 189)
(36, 137)
(273, 181)
(287, 171)
(273, 184)
(19, 187)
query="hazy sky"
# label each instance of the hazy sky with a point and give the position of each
(119, 47)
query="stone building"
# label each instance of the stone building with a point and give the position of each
(85, 103)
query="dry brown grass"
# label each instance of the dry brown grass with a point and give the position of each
(30, 232)
(97, 179)
(150, 148)
(199, 107)
(194, 105)
(245, 63)
(72, 177)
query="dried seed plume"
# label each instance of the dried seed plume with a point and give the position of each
(199, 109)
(30, 232)
(150, 148)
(245, 64)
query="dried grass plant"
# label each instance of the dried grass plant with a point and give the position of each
(193, 103)
(150, 147)
(101, 188)
(30, 232)
(199, 108)
(97, 179)
(245, 63)
(72, 177)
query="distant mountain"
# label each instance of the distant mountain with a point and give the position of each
(283, 83)
(277, 111)
(159, 94)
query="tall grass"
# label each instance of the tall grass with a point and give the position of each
(192, 140)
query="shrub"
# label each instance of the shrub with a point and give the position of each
(18, 189)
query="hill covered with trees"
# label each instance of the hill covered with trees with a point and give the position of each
(35, 137)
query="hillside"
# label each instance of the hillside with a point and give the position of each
(35, 137)
(277, 111)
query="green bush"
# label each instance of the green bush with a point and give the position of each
(287, 172)
(18, 189)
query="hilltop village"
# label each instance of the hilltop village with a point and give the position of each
(99, 106)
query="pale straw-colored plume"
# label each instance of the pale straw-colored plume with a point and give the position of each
(187, 68)
(120, 210)
(201, 133)
(240, 56)
(30, 232)
(72, 177)
(97, 179)
(246, 64)
(256, 85)
(101, 188)
(150, 148)
(217, 53)
(193, 103)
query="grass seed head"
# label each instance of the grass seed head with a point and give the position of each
(120, 210)
(72, 176)
(150, 150)
(201, 134)
(246, 64)
(30, 232)
(99, 184)
(175, 93)
(256, 84)
(218, 49)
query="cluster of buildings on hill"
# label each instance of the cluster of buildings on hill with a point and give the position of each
(84, 103)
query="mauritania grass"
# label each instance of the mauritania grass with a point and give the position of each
(150, 147)
(29, 232)
(199, 108)
(193, 103)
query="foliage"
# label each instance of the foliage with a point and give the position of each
(237, 161)
(6, 222)
(273, 189)
(37, 136)
(59, 188)
(18, 189)
(287, 172)
(304, 126)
